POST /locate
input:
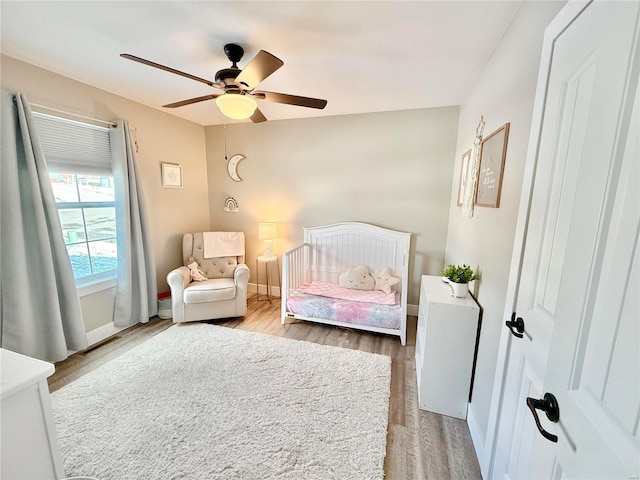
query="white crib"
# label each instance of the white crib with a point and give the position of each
(329, 250)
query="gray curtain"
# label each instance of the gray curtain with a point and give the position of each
(40, 309)
(136, 290)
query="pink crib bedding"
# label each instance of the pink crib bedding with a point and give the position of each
(347, 311)
(327, 289)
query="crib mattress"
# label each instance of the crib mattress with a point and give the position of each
(347, 311)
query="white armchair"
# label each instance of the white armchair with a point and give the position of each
(223, 295)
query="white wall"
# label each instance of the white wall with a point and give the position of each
(161, 138)
(393, 169)
(504, 92)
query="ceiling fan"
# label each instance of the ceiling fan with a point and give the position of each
(237, 99)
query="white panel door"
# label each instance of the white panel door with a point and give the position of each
(580, 249)
(594, 366)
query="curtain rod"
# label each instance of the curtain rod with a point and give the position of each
(112, 124)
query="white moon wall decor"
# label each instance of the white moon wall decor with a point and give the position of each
(232, 167)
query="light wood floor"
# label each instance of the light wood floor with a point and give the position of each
(420, 445)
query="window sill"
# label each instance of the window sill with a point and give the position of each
(94, 286)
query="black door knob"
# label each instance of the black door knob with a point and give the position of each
(549, 405)
(517, 324)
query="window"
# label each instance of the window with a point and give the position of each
(86, 206)
(78, 157)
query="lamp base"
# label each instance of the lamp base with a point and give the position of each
(268, 248)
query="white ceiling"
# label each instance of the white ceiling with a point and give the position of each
(360, 56)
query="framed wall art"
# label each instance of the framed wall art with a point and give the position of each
(171, 175)
(464, 176)
(493, 153)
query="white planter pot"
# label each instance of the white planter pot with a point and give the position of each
(458, 290)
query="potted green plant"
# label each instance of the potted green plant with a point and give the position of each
(459, 277)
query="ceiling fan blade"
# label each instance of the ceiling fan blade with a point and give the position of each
(168, 69)
(259, 68)
(258, 117)
(290, 99)
(192, 100)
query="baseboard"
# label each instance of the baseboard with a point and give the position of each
(412, 310)
(275, 291)
(477, 440)
(101, 333)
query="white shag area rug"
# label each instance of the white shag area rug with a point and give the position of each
(199, 401)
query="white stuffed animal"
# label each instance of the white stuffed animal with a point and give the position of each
(357, 278)
(385, 280)
(197, 275)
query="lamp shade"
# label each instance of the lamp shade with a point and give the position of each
(235, 105)
(267, 231)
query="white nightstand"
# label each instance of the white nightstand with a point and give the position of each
(30, 446)
(445, 348)
(267, 260)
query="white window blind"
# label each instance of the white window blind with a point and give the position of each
(70, 146)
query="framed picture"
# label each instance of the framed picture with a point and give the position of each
(493, 152)
(464, 176)
(171, 175)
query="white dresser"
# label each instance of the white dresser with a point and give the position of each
(29, 448)
(445, 347)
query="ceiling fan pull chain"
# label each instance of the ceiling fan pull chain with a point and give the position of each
(224, 128)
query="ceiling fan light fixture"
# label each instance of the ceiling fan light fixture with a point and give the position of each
(236, 106)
